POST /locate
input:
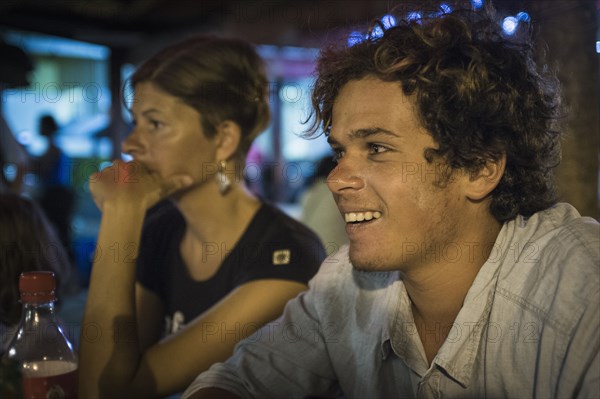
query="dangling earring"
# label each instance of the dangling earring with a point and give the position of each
(222, 179)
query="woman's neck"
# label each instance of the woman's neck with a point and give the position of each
(211, 216)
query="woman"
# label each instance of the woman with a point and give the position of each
(27, 243)
(215, 259)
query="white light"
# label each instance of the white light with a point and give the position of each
(598, 46)
(523, 16)
(477, 3)
(388, 21)
(414, 16)
(509, 25)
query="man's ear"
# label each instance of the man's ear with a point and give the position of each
(229, 137)
(485, 180)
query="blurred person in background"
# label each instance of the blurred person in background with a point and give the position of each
(319, 211)
(14, 159)
(28, 242)
(213, 262)
(56, 197)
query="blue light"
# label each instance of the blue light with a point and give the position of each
(377, 32)
(509, 25)
(388, 21)
(57, 46)
(414, 16)
(446, 9)
(355, 38)
(477, 3)
(10, 171)
(443, 10)
(523, 16)
(598, 46)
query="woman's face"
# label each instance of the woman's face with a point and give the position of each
(168, 138)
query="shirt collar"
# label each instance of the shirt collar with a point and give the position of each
(401, 333)
(458, 353)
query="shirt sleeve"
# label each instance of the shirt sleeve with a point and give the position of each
(287, 358)
(579, 251)
(288, 251)
(580, 372)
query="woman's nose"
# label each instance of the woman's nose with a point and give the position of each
(345, 177)
(132, 144)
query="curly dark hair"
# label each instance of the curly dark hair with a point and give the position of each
(477, 92)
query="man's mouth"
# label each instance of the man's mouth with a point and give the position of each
(360, 217)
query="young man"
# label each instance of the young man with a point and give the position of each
(464, 277)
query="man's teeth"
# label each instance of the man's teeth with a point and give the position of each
(361, 216)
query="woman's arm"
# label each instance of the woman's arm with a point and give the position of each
(109, 350)
(177, 360)
(171, 365)
(115, 364)
(111, 356)
(150, 312)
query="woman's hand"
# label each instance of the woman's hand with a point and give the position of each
(130, 183)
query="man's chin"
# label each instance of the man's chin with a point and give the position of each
(361, 263)
(366, 261)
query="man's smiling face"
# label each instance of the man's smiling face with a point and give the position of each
(397, 218)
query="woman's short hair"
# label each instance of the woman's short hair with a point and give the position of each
(222, 78)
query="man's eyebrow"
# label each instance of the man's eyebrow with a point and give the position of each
(362, 133)
(366, 132)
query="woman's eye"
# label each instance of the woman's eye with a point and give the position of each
(155, 124)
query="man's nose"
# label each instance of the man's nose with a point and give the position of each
(345, 177)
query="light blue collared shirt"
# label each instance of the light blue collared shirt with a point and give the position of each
(529, 327)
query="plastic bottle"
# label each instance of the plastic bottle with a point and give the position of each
(48, 362)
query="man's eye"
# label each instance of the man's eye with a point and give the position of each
(376, 148)
(337, 155)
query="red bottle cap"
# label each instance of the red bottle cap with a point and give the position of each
(37, 287)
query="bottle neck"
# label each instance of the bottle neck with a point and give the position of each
(38, 313)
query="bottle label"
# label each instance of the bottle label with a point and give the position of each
(45, 384)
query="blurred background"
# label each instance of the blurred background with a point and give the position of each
(68, 60)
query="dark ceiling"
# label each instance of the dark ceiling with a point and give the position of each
(127, 23)
(137, 25)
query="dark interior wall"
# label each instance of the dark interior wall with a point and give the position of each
(567, 30)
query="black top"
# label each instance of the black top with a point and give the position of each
(274, 246)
